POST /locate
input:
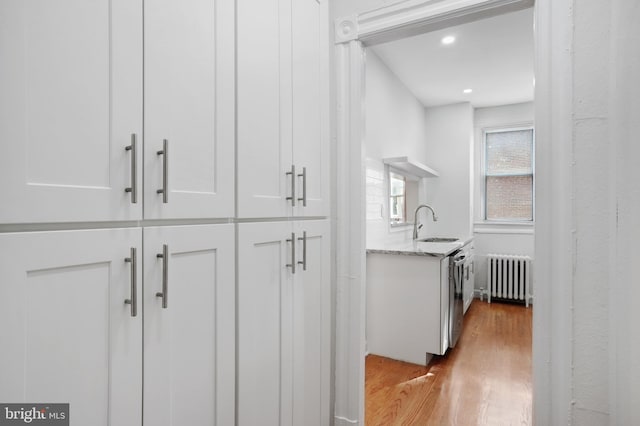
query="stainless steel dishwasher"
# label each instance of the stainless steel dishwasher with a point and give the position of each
(456, 301)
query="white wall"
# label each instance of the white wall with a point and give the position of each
(625, 290)
(492, 238)
(395, 123)
(395, 127)
(449, 142)
(586, 350)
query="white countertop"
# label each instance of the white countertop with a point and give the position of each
(415, 248)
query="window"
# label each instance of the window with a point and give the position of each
(397, 198)
(508, 170)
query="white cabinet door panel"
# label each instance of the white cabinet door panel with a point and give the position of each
(189, 346)
(189, 101)
(264, 108)
(67, 334)
(310, 84)
(283, 324)
(71, 99)
(264, 324)
(311, 322)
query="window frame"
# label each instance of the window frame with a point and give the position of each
(404, 196)
(483, 193)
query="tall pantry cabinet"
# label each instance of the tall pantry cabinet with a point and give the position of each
(282, 159)
(122, 227)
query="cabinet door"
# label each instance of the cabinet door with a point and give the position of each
(444, 305)
(310, 82)
(469, 282)
(189, 332)
(311, 322)
(264, 108)
(189, 102)
(71, 100)
(67, 334)
(264, 324)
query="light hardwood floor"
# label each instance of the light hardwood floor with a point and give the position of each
(485, 380)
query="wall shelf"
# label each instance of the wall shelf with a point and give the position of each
(407, 165)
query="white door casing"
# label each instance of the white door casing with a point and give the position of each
(67, 334)
(189, 349)
(71, 100)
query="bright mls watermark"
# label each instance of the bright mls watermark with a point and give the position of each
(34, 414)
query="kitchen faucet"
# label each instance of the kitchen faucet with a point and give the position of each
(415, 219)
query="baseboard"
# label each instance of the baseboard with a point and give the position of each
(341, 421)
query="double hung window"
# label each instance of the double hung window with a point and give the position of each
(508, 175)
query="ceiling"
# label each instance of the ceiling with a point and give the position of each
(493, 57)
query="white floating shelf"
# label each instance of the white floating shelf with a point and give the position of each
(407, 165)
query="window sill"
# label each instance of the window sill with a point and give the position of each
(503, 227)
(400, 227)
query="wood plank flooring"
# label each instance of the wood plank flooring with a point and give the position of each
(485, 380)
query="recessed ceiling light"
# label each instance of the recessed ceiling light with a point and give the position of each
(467, 91)
(448, 39)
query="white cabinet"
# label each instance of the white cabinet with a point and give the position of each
(189, 325)
(71, 100)
(283, 323)
(282, 95)
(67, 334)
(468, 283)
(407, 306)
(189, 108)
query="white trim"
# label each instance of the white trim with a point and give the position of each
(554, 238)
(341, 421)
(552, 327)
(486, 228)
(350, 235)
(413, 17)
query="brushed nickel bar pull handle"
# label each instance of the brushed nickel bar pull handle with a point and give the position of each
(304, 187)
(304, 251)
(133, 301)
(133, 189)
(165, 171)
(293, 185)
(292, 265)
(165, 275)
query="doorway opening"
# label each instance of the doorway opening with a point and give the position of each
(354, 35)
(458, 102)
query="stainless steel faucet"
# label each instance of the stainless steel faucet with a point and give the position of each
(415, 219)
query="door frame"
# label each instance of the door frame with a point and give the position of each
(552, 324)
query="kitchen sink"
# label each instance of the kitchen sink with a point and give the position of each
(438, 240)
